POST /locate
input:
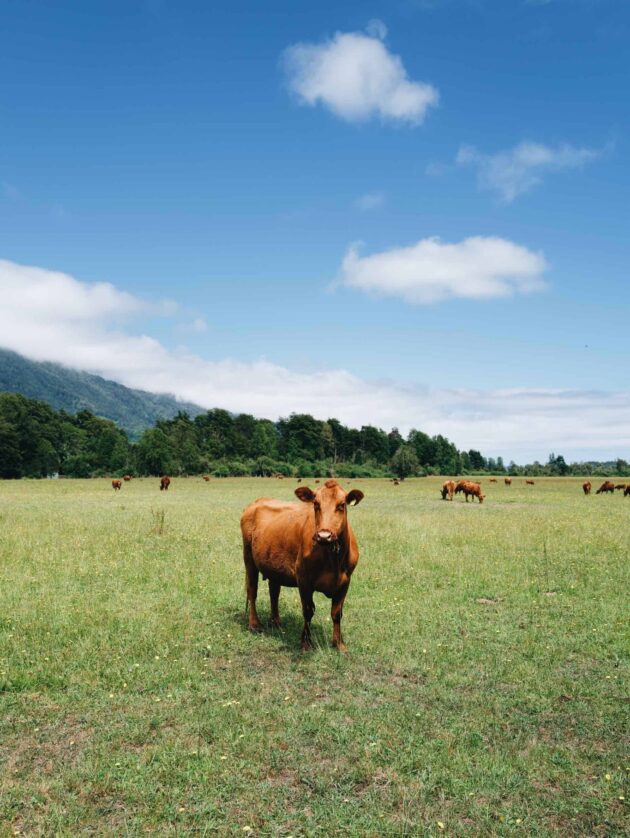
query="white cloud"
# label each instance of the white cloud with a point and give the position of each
(52, 316)
(514, 171)
(370, 201)
(199, 325)
(431, 270)
(376, 29)
(356, 77)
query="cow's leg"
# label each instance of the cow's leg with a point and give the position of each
(308, 609)
(274, 596)
(336, 613)
(251, 584)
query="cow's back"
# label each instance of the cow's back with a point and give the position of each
(274, 530)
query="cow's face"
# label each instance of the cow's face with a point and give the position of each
(330, 509)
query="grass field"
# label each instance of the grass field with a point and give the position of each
(485, 692)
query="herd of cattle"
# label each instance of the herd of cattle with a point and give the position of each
(607, 487)
(311, 546)
(449, 488)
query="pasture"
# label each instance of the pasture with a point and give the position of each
(485, 691)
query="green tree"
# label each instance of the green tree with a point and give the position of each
(404, 463)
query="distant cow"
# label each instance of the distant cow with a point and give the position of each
(396, 482)
(206, 478)
(127, 478)
(586, 487)
(507, 481)
(448, 489)
(308, 545)
(607, 486)
(473, 490)
(116, 484)
(165, 482)
(620, 486)
(492, 480)
(529, 483)
(626, 491)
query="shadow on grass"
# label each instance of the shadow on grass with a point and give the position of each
(289, 635)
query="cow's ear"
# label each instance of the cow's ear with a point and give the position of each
(354, 497)
(305, 494)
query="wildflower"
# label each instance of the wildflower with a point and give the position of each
(608, 777)
(440, 824)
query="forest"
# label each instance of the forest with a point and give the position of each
(38, 441)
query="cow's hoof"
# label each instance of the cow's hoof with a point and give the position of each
(256, 629)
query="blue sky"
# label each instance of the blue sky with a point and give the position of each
(194, 153)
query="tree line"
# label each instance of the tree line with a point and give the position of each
(38, 441)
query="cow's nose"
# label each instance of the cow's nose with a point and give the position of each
(324, 535)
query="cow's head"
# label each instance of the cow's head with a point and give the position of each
(330, 508)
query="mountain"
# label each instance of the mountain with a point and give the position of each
(71, 390)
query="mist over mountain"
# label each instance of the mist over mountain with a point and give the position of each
(71, 390)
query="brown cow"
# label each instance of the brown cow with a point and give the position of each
(529, 483)
(607, 486)
(308, 545)
(507, 481)
(492, 480)
(448, 488)
(165, 482)
(626, 491)
(472, 489)
(206, 478)
(116, 484)
(620, 486)
(127, 478)
(586, 487)
(460, 486)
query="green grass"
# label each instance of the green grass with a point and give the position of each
(485, 692)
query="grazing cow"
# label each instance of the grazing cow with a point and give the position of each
(165, 482)
(529, 483)
(492, 480)
(116, 484)
(317, 481)
(299, 480)
(206, 478)
(507, 481)
(620, 486)
(473, 490)
(626, 491)
(396, 482)
(448, 489)
(586, 487)
(460, 486)
(308, 545)
(127, 478)
(607, 486)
